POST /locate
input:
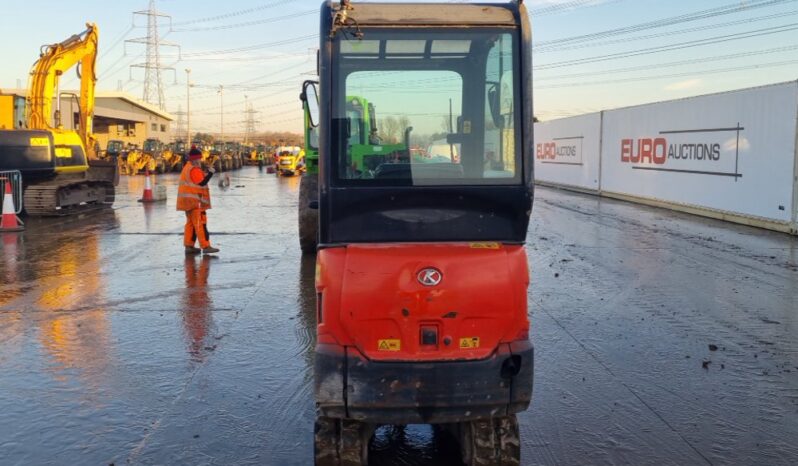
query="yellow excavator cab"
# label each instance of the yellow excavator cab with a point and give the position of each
(70, 154)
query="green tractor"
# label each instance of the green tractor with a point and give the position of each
(309, 183)
(368, 151)
(368, 148)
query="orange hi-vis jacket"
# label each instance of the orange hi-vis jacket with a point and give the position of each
(190, 195)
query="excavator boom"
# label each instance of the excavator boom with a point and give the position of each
(53, 62)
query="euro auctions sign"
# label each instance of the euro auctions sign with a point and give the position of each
(561, 150)
(567, 151)
(699, 151)
(732, 152)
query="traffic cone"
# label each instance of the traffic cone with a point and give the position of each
(9, 221)
(147, 196)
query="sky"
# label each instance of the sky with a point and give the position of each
(589, 55)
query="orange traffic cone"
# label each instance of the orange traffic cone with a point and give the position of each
(147, 196)
(10, 221)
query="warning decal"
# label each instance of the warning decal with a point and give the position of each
(484, 245)
(63, 152)
(469, 343)
(38, 142)
(389, 345)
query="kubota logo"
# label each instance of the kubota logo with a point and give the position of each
(429, 276)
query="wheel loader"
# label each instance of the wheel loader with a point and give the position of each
(139, 161)
(165, 159)
(231, 159)
(215, 156)
(152, 156)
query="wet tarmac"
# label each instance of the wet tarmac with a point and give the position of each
(661, 338)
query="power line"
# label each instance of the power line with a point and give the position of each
(234, 14)
(687, 17)
(668, 33)
(671, 64)
(108, 72)
(671, 47)
(250, 47)
(117, 41)
(153, 84)
(669, 76)
(568, 6)
(247, 23)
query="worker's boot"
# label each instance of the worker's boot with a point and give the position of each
(210, 250)
(192, 250)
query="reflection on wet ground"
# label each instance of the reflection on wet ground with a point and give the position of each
(661, 338)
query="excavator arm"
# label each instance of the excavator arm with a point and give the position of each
(53, 61)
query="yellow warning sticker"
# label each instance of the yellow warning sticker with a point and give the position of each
(38, 142)
(389, 345)
(65, 152)
(469, 343)
(484, 245)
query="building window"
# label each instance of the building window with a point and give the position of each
(163, 128)
(154, 127)
(125, 129)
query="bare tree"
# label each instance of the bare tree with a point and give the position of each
(389, 129)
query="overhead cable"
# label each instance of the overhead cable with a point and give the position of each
(735, 7)
(671, 47)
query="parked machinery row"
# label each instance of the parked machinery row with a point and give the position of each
(157, 157)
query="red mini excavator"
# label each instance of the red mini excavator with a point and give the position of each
(421, 268)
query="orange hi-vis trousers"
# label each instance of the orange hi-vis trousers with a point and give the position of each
(196, 229)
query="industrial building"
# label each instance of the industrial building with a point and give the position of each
(117, 115)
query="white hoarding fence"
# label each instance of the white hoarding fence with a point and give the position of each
(730, 155)
(567, 151)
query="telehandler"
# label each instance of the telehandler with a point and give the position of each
(421, 270)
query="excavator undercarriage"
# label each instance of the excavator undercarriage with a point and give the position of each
(68, 194)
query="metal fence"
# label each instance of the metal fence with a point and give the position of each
(15, 178)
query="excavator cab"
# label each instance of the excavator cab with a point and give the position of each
(422, 274)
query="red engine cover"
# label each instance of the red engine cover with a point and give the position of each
(372, 297)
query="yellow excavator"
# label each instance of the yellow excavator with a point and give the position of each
(62, 172)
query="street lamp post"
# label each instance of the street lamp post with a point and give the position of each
(188, 108)
(246, 120)
(221, 97)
